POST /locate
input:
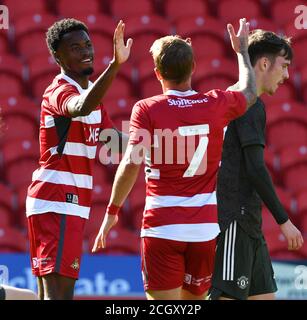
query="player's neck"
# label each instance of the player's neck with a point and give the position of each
(167, 85)
(81, 80)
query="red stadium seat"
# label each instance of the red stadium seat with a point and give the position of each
(269, 225)
(286, 125)
(304, 83)
(215, 67)
(178, 9)
(12, 240)
(293, 166)
(5, 217)
(11, 65)
(69, 8)
(20, 126)
(30, 34)
(145, 30)
(98, 23)
(32, 44)
(33, 22)
(285, 93)
(7, 198)
(102, 186)
(119, 241)
(19, 105)
(276, 241)
(129, 8)
(301, 199)
(13, 85)
(21, 218)
(20, 160)
(18, 9)
(119, 107)
(214, 82)
(3, 45)
(207, 35)
(41, 83)
(283, 11)
(271, 161)
(120, 88)
(40, 66)
(230, 11)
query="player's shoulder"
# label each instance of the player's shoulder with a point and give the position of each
(151, 102)
(57, 86)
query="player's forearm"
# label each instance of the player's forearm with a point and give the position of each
(260, 178)
(247, 78)
(90, 99)
(125, 178)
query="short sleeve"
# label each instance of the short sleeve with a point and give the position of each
(232, 104)
(140, 129)
(251, 127)
(60, 97)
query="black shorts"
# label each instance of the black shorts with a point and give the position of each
(243, 266)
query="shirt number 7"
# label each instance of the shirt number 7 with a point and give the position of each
(201, 150)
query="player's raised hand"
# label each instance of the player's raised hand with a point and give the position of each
(239, 41)
(109, 221)
(121, 51)
(292, 234)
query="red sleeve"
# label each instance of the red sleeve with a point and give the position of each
(59, 98)
(140, 129)
(232, 104)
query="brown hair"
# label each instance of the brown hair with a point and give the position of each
(173, 57)
(268, 44)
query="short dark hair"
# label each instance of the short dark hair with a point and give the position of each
(56, 32)
(173, 58)
(263, 43)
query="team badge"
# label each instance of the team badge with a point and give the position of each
(242, 282)
(75, 265)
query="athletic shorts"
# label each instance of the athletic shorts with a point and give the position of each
(55, 244)
(243, 266)
(169, 264)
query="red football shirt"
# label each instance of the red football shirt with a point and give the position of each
(183, 134)
(63, 182)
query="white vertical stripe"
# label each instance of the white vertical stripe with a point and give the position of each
(225, 252)
(229, 251)
(233, 250)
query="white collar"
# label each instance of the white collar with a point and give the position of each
(180, 93)
(74, 83)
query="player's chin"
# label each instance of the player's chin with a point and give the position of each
(87, 71)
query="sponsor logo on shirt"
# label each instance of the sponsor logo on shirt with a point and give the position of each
(185, 103)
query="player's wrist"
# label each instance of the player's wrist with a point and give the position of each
(112, 209)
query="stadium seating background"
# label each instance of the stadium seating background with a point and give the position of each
(26, 68)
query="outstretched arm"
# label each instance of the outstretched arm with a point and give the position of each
(247, 79)
(87, 102)
(262, 182)
(125, 178)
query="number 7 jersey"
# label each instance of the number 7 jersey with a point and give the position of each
(182, 133)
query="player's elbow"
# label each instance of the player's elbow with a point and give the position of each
(250, 95)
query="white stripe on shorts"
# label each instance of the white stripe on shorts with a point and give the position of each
(229, 252)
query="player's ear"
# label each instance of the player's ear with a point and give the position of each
(264, 63)
(158, 74)
(56, 57)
